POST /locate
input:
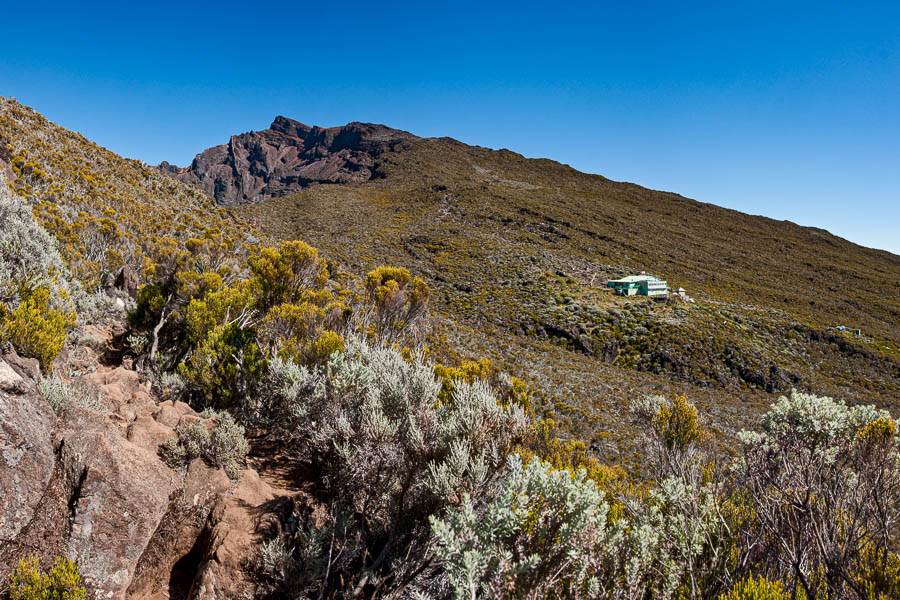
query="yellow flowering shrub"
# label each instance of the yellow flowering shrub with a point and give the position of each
(678, 424)
(282, 274)
(399, 301)
(35, 328)
(756, 589)
(63, 582)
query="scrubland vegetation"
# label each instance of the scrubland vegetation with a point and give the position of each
(516, 252)
(426, 480)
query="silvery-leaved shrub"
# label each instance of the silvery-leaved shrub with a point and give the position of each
(390, 452)
(679, 544)
(224, 446)
(822, 480)
(29, 258)
(58, 392)
(545, 535)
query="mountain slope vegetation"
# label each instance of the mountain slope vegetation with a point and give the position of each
(441, 401)
(518, 251)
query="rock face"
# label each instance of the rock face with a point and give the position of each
(26, 450)
(90, 484)
(286, 158)
(122, 495)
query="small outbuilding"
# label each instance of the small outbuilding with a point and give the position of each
(639, 285)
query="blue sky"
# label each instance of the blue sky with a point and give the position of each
(787, 109)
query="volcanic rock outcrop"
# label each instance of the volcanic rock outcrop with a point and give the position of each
(90, 484)
(286, 158)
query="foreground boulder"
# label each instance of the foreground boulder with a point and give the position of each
(121, 496)
(27, 457)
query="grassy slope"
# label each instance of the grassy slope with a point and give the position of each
(94, 200)
(512, 243)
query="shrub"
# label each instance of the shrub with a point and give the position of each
(26, 582)
(276, 560)
(677, 424)
(224, 447)
(63, 582)
(169, 386)
(282, 274)
(229, 447)
(672, 437)
(36, 329)
(224, 366)
(29, 257)
(756, 589)
(878, 574)
(389, 452)
(664, 539)
(542, 537)
(823, 480)
(572, 455)
(509, 389)
(137, 343)
(58, 392)
(298, 331)
(400, 302)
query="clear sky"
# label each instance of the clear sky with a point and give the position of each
(786, 109)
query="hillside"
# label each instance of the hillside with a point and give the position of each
(106, 211)
(519, 250)
(195, 403)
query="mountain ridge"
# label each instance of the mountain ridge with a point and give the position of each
(285, 158)
(200, 171)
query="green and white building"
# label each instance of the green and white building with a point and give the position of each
(639, 285)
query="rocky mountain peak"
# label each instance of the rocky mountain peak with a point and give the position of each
(286, 158)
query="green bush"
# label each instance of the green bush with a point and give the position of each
(224, 446)
(37, 329)
(756, 589)
(225, 366)
(63, 582)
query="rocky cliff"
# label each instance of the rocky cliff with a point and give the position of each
(286, 158)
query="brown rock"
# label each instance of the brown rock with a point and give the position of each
(169, 413)
(122, 496)
(123, 392)
(127, 280)
(10, 381)
(26, 454)
(204, 483)
(148, 434)
(29, 368)
(286, 158)
(234, 535)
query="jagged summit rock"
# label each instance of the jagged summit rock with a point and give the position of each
(286, 158)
